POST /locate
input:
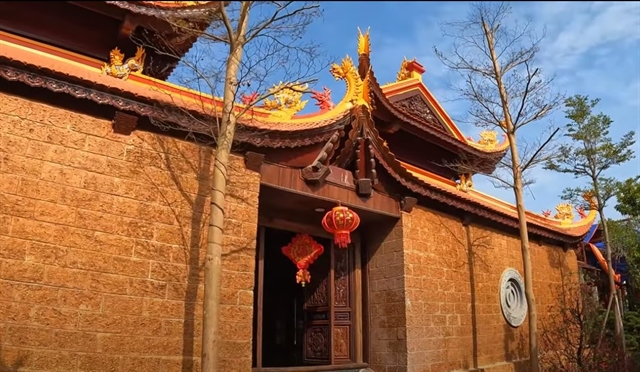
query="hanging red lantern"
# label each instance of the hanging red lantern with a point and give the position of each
(303, 251)
(341, 222)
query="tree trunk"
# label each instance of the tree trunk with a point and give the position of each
(612, 283)
(213, 259)
(526, 256)
(519, 195)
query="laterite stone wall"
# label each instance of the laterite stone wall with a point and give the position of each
(431, 313)
(102, 245)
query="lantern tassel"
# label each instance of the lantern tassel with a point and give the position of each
(342, 239)
(303, 277)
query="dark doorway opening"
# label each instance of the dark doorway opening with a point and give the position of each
(285, 318)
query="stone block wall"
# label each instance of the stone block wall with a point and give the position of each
(102, 240)
(439, 310)
(387, 315)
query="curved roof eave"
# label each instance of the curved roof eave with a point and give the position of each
(475, 202)
(492, 157)
(86, 71)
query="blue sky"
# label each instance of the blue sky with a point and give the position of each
(593, 48)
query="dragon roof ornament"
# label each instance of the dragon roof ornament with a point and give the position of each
(488, 141)
(285, 105)
(564, 212)
(119, 68)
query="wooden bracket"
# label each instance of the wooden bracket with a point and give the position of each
(319, 170)
(315, 174)
(364, 187)
(253, 161)
(123, 123)
(407, 203)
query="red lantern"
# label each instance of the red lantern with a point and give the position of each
(341, 222)
(303, 251)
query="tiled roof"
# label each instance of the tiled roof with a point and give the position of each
(148, 89)
(577, 229)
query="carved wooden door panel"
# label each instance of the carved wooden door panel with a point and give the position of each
(342, 305)
(317, 312)
(329, 310)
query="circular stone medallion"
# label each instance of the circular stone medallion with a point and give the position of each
(512, 297)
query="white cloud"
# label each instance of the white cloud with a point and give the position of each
(577, 28)
(592, 47)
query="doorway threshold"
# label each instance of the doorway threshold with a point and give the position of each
(353, 367)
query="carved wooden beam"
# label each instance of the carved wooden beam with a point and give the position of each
(253, 161)
(124, 124)
(319, 170)
(407, 203)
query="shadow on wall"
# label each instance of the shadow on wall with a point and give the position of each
(10, 364)
(516, 348)
(194, 231)
(472, 244)
(192, 241)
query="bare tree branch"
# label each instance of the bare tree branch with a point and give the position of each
(494, 55)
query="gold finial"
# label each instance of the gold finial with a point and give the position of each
(404, 73)
(286, 100)
(564, 212)
(121, 70)
(364, 42)
(410, 69)
(465, 182)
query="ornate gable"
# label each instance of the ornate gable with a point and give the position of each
(418, 106)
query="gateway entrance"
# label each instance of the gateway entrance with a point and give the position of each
(297, 326)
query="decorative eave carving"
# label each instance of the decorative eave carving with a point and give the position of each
(170, 114)
(418, 107)
(168, 9)
(393, 167)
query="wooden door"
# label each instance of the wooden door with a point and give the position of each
(328, 309)
(342, 305)
(317, 312)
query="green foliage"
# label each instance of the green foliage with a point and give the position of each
(632, 326)
(625, 238)
(628, 196)
(590, 151)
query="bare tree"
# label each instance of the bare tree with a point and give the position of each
(573, 342)
(495, 56)
(246, 47)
